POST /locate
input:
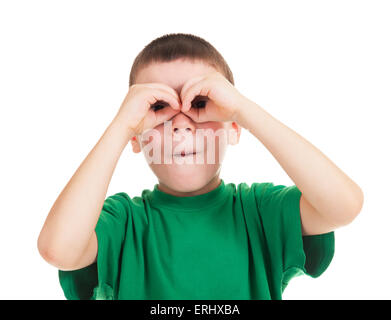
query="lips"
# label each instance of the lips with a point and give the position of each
(185, 154)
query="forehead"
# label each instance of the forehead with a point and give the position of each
(174, 73)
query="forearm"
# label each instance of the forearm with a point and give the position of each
(73, 217)
(329, 190)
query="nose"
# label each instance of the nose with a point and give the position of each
(182, 122)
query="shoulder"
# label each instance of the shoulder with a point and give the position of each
(258, 188)
(117, 200)
(121, 204)
(135, 206)
(124, 208)
(123, 200)
(267, 195)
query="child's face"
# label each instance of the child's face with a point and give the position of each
(182, 135)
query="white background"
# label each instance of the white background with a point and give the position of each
(321, 67)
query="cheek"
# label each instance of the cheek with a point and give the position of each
(213, 125)
(151, 141)
(214, 141)
(215, 131)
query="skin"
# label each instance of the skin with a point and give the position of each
(184, 179)
(68, 239)
(330, 199)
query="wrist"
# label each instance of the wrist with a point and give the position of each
(246, 112)
(122, 128)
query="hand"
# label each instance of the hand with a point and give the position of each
(140, 109)
(222, 99)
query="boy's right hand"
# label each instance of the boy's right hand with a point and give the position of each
(136, 112)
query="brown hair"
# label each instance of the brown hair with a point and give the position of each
(174, 46)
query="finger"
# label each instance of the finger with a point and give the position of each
(200, 88)
(166, 88)
(192, 113)
(162, 95)
(189, 83)
(189, 96)
(162, 86)
(164, 115)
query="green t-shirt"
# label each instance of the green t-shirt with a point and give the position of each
(232, 243)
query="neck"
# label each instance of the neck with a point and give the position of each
(211, 185)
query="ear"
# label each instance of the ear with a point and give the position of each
(234, 131)
(135, 144)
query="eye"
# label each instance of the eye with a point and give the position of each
(158, 105)
(199, 103)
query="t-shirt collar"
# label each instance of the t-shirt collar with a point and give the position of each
(192, 203)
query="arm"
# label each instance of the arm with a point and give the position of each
(67, 239)
(330, 199)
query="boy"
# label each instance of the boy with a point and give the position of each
(194, 236)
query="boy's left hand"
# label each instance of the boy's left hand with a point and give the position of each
(223, 100)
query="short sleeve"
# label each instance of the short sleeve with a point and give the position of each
(100, 279)
(292, 254)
